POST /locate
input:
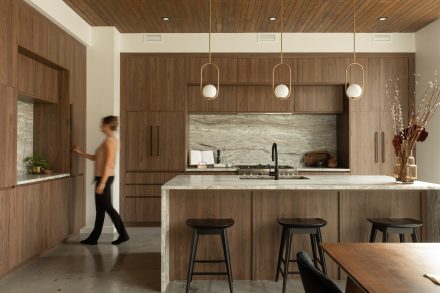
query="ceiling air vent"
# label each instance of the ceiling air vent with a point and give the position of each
(382, 38)
(153, 38)
(267, 38)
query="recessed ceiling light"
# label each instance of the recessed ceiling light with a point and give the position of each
(382, 18)
(166, 18)
(272, 18)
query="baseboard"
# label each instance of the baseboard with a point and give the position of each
(105, 230)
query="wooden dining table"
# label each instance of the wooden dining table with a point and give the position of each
(387, 267)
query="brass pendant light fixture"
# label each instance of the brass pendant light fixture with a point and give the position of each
(353, 90)
(210, 91)
(282, 91)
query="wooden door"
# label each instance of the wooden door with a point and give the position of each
(310, 70)
(319, 99)
(226, 102)
(8, 132)
(77, 204)
(142, 141)
(227, 67)
(370, 101)
(166, 83)
(330, 70)
(8, 47)
(5, 199)
(260, 98)
(171, 138)
(365, 143)
(257, 69)
(135, 85)
(391, 68)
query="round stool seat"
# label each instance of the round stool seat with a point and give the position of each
(302, 222)
(210, 223)
(396, 222)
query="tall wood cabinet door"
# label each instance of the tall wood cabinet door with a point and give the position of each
(8, 132)
(77, 206)
(135, 84)
(365, 143)
(16, 228)
(141, 142)
(333, 69)
(5, 199)
(167, 89)
(391, 68)
(171, 138)
(260, 98)
(227, 67)
(226, 101)
(310, 70)
(370, 101)
(260, 70)
(8, 47)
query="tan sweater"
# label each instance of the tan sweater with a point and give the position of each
(100, 158)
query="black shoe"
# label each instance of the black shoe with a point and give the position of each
(89, 242)
(120, 240)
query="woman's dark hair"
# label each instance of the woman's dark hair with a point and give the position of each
(111, 121)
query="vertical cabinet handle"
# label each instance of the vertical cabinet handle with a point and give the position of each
(383, 147)
(158, 140)
(151, 140)
(376, 147)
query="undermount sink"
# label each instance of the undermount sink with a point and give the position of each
(272, 177)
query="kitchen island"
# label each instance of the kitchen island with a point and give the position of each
(255, 204)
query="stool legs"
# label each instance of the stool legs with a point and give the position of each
(288, 249)
(402, 238)
(192, 259)
(385, 235)
(373, 234)
(227, 258)
(280, 254)
(414, 236)
(321, 253)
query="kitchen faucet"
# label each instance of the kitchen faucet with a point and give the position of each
(276, 173)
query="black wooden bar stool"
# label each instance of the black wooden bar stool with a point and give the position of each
(399, 226)
(209, 227)
(299, 226)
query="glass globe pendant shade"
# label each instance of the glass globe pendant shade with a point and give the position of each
(209, 91)
(282, 91)
(354, 91)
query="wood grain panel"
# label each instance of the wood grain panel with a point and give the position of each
(5, 198)
(227, 66)
(255, 69)
(209, 204)
(8, 47)
(260, 98)
(356, 207)
(77, 204)
(268, 206)
(225, 102)
(143, 190)
(142, 210)
(148, 177)
(134, 82)
(132, 16)
(8, 133)
(319, 99)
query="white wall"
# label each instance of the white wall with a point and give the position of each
(103, 75)
(427, 62)
(61, 14)
(248, 42)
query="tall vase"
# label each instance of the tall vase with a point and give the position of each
(405, 169)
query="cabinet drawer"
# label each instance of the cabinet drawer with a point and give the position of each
(143, 190)
(149, 178)
(142, 210)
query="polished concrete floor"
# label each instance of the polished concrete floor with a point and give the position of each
(131, 267)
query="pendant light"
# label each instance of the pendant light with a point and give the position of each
(353, 90)
(282, 91)
(210, 91)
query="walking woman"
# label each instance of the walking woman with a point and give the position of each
(105, 159)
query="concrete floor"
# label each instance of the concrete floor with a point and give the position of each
(131, 267)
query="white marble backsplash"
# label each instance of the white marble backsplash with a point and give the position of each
(248, 138)
(25, 134)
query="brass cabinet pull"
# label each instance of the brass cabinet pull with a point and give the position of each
(158, 140)
(383, 147)
(151, 140)
(376, 147)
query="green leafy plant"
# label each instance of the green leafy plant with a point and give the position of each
(36, 164)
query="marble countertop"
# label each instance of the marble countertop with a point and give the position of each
(234, 169)
(314, 169)
(318, 182)
(33, 178)
(214, 169)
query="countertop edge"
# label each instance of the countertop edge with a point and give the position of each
(29, 179)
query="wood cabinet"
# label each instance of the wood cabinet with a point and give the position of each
(371, 129)
(8, 133)
(259, 70)
(8, 47)
(260, 98)
(134, 82)
(227, 66)
(226, 102)
(324, 70)
(5, 198)
(156, 141)
(319, 99)
(77, 204)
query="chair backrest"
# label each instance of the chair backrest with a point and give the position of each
(313, 280)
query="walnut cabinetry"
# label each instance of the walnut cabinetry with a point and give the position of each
(8, 50)
(8, 132)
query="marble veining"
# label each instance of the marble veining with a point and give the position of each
(25, 134)
(248, 138)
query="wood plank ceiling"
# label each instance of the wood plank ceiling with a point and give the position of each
(234, 16)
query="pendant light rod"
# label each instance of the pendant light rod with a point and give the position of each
(354, 31)
(210, 29)
(282, 28)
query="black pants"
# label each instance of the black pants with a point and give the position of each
(103, 203)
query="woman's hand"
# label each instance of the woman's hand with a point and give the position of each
(100, 188)
(77, 150)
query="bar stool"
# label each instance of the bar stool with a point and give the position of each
(209, 227)
(399, 226)
(311, 226)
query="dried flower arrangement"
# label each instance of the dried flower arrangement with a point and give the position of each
(406, 136)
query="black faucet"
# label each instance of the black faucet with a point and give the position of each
(276, 173)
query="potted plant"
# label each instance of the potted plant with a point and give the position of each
(36, 164)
